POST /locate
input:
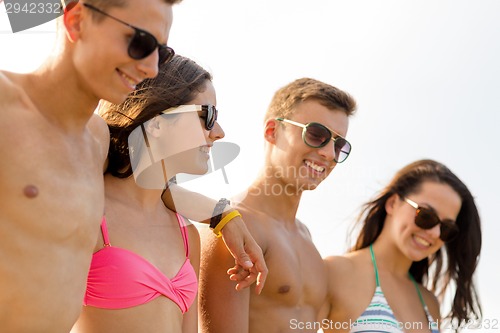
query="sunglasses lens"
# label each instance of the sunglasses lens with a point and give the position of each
(342, 149)
(141, 45)
(211, 117)
(317, 135)
(426, 218)
(449, 231)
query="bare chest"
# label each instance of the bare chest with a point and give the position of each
(52, 185)
(297, 274)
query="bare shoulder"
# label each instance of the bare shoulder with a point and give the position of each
(11, 91)
(340, 267)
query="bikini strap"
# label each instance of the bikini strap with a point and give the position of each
(104, 230)
(418, 290)
(374, 265)
(184, 232)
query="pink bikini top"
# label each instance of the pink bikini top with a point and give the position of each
(119, 278)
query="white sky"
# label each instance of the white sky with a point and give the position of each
(425, 74)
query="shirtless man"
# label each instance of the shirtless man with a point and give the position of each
(53, 151)
(296, 159)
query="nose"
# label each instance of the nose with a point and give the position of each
(149, 65)
(328, 151)
(216, 133)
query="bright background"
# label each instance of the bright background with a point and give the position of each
(425, 74)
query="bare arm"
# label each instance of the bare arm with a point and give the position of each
(240, 243)
(222, 308)
(190, 318)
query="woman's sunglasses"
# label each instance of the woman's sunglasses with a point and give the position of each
(142, 43)
(316, 135)
(208, 112)
(426, 218)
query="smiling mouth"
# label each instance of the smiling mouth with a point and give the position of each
(132, 83)
(421, 241)
(315, 167)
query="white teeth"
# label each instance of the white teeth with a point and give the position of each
(421, 241)
(314, 166)
(205, 149)
(129, 79)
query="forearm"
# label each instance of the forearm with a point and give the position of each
(194, 206)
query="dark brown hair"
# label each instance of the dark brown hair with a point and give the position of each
(461, 254)
(177, 83)
(288, 97)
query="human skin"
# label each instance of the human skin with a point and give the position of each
(400, 243)
(51, 187)
(296, 284)
(138, 221)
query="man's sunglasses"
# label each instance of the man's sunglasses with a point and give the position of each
(427, 218)
(208, 112)
(316, 135)
(142, 43)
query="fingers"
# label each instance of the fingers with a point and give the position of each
(248, 256)
(237, 273)
(261, 269)
(246, 277)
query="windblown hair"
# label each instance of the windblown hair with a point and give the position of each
(461, 254)
(178, 82)
(288, 97)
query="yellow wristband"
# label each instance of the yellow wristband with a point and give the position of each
(224, 221)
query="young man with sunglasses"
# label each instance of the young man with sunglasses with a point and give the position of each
(53, 150)
(305, 128)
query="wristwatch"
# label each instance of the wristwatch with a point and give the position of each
(218, 210)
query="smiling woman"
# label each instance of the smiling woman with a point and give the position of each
(147, 267)
(413, 233)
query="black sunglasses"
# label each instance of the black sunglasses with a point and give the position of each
(208, 112)
(142, 43)
(427, 218)
(316, 135)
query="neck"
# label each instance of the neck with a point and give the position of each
(274, 197)
(129, 193)
(390, 258)
(55, 90)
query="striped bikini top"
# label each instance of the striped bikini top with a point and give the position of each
(378, 316)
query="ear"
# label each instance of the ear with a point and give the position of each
(72, 20)
(390, 204)
(270, 128)
(153, 127)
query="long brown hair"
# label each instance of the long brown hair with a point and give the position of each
(178, 82)
(460, 258)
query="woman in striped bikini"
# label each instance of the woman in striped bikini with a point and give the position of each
(422, 229)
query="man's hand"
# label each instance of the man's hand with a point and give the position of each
(249, 260)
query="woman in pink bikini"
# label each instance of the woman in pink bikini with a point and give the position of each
(144, 272)
(423, 229)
